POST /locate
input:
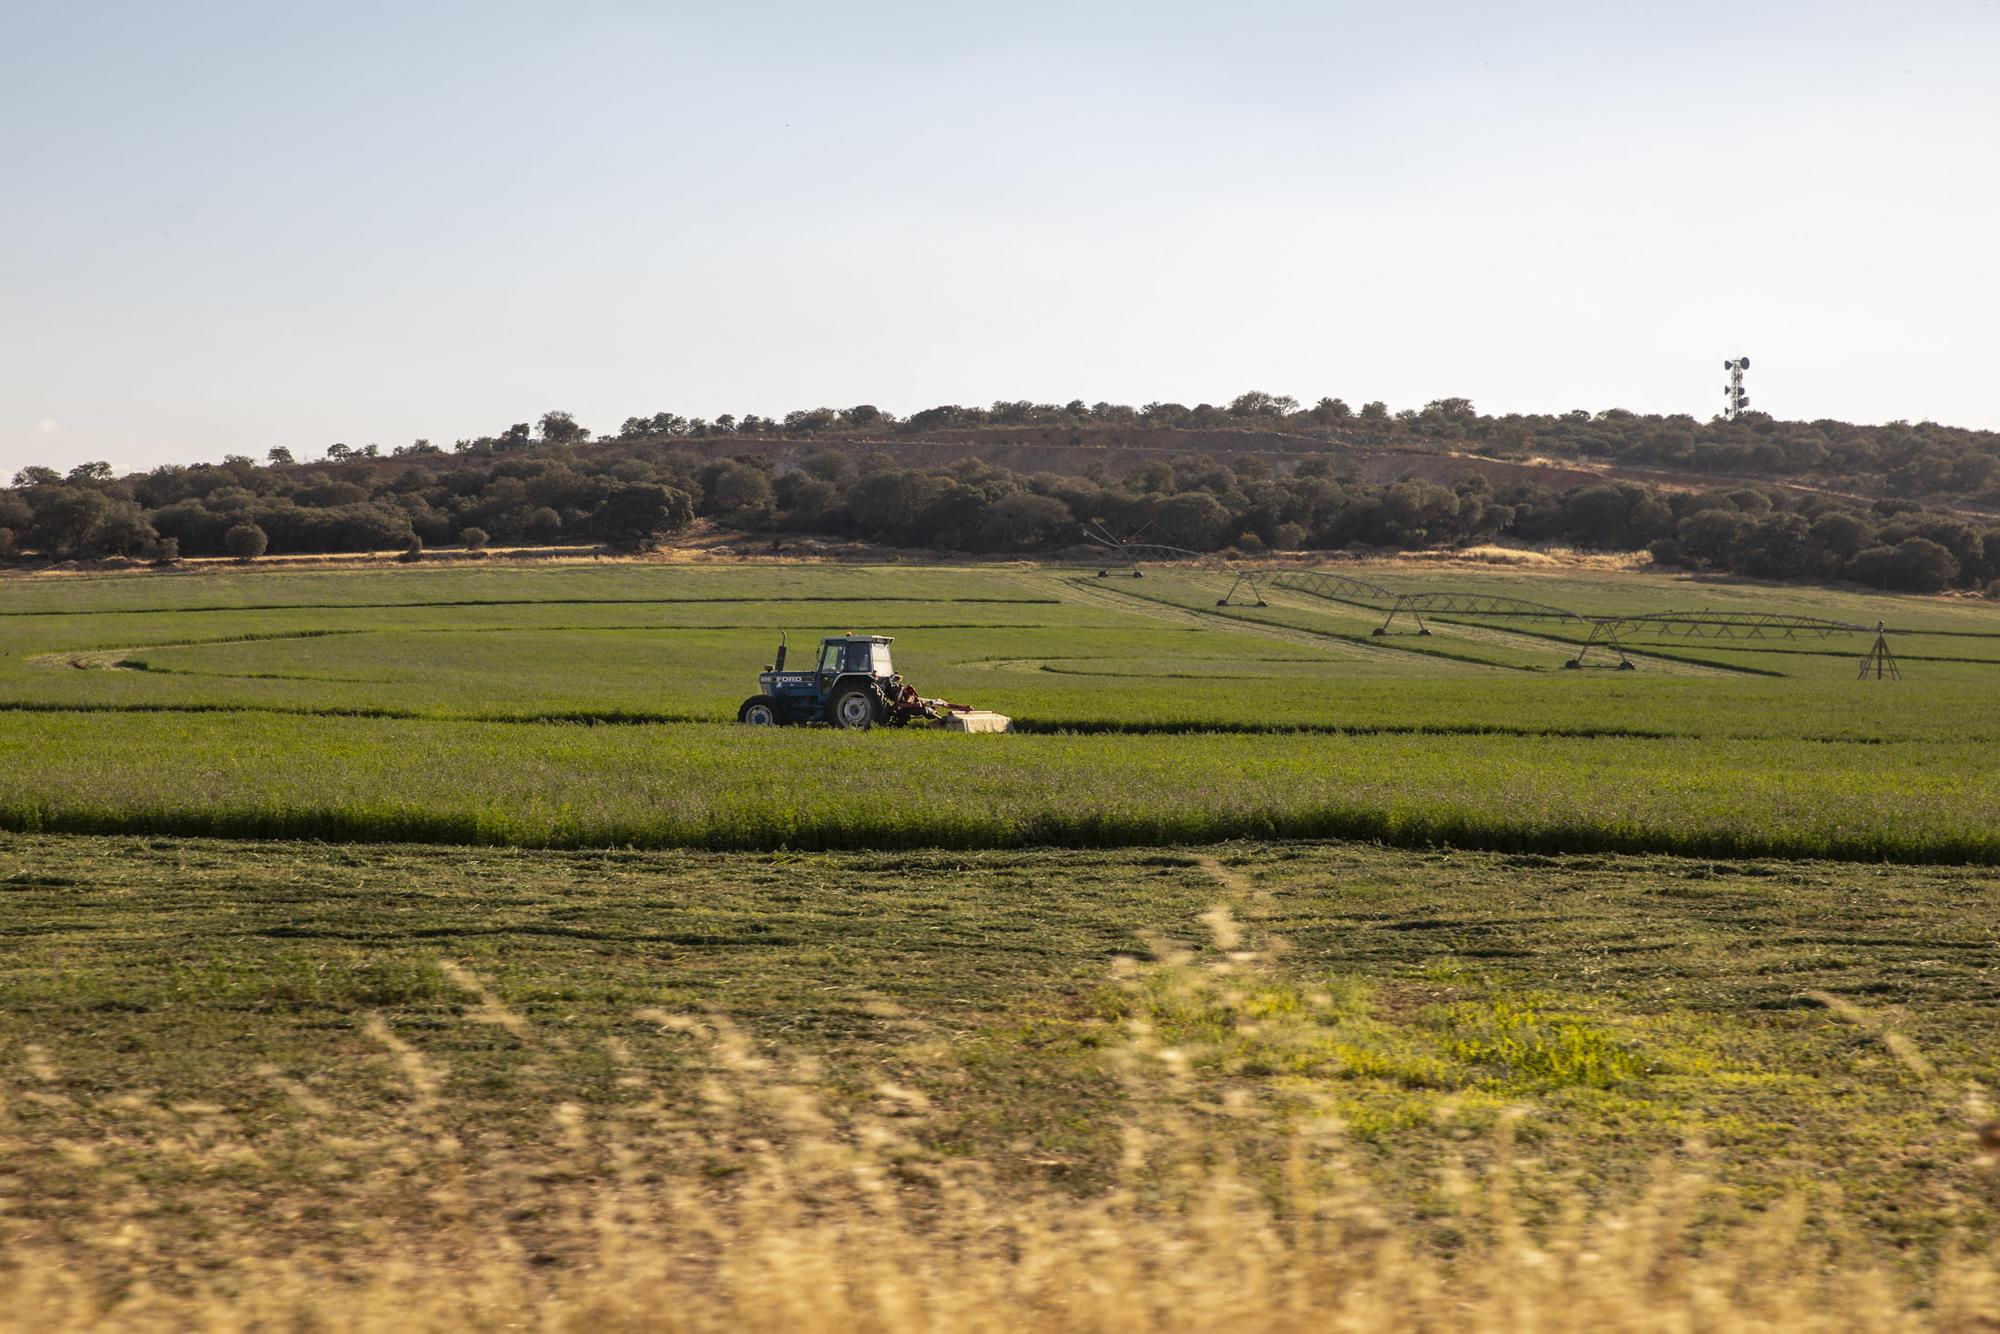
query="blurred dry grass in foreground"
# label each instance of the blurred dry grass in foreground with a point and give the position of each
(768, 1205)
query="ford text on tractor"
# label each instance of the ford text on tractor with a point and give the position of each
(854, 684)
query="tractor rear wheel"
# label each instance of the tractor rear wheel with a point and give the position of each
(760, 711)
(854, 708)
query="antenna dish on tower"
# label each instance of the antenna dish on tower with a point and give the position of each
(1734, 397)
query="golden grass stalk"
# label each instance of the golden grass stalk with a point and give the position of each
(766, 1204)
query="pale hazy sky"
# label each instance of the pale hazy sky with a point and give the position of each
(234, 225)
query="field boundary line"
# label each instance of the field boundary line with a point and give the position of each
(1472, 831)
(1026, 726)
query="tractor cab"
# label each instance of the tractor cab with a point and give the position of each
(860, 655)
(852, 684)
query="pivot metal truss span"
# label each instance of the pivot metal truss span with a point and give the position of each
(1438, 603)
(1153, 553)
(1729, 625)
(1606, 633)
(1335, 588)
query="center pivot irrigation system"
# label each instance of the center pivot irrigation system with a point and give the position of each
(1604, 633)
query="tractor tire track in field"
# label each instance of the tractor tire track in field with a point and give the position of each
(1356, 646)
(1652, 652)
(1258, 904)
(1233, 881)
(1765, 649)
(1068, 666)
(521, 602)
(1556, 649)
(586, 717)
(115, 659)
(1335, 646)
(1667, 665)
(121, 660)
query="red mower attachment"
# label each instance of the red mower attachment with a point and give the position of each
(906, 706)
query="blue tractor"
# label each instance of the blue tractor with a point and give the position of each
(854, 684)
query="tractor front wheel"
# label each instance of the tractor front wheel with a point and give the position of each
(760, 711)
(854, 708)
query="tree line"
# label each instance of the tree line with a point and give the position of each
(551, 486)
(1921, 461)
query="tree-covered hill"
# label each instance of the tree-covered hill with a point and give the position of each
(1896, 506)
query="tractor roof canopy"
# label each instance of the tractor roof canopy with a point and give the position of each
(856, 653)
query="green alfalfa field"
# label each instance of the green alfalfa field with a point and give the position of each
(587, 707)
(446, 918)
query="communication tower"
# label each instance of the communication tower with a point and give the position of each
(1735, 400)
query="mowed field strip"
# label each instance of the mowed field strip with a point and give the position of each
(278, 1049)
(585, 707)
